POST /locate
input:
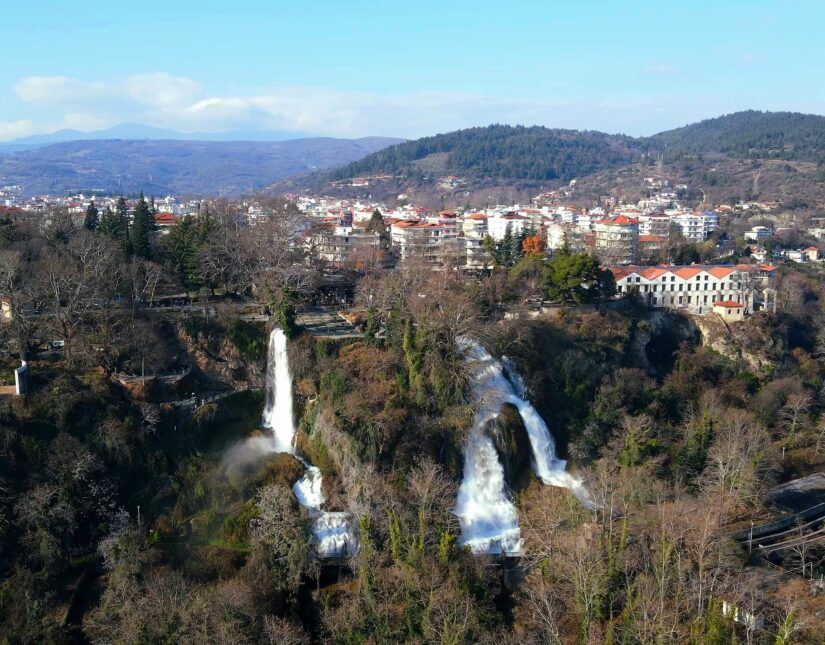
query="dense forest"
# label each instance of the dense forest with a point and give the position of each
(503, 152)
(508, 153)
(750, 134)
(131, 512)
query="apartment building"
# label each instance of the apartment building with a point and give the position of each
(617, 239)
(474, 228)
(418, 241)
(497, 226)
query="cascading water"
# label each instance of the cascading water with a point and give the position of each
(486, 513)
(332, 531)
(277, 416)
(488, 518)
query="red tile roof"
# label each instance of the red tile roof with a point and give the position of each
(729, 304)
(165, 219)
(619, 220)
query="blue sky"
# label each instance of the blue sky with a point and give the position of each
(407, 69)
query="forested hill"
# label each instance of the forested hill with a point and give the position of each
(751, 134)
(502, 152)
(511, 153)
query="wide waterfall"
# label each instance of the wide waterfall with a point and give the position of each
(332, 531)
(486, 513)
(488, 518)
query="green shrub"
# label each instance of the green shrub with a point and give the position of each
(248, 339)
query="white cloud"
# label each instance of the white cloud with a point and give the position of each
(85, 122)
(163, 100)
(16, 129)
(58, 89)
(162, 90)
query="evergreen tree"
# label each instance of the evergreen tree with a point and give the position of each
(376, 223)
(516, 250)
(115, 224)
(143, 225)
(184, 248)
(92, 220)
(506, 247)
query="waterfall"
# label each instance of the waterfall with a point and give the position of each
(488, 518)
(549, 468)
(277, 416)
(485, 511)
(332, 532)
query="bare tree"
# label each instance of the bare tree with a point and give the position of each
(280, 631)
(793, 416)
(76, 282)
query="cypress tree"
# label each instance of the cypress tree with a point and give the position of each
(115, 224)
(506, 246)
(143, 225)
(92, 220)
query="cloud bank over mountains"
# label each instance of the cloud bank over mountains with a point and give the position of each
(164, 100)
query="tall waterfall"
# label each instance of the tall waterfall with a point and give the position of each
(278, 405)
(332, 532)
(486, 513)
(488, 518)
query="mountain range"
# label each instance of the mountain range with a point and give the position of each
(719, 154)
(162, 166)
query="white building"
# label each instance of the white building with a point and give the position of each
(474, 228)
(758, 233)
(419, 241)
(695, 288)
(691, 225)
(497, 226)
(617, 239)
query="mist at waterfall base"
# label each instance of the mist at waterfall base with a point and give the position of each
(486, 512)
(332, 532)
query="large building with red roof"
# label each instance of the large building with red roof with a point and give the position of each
(697, 288)
(617, 240)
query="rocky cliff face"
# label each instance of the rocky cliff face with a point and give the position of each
(220, 360)
(513, 445)
(746, 343)
(657, 336)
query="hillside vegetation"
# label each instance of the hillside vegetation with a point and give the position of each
(751, 134)
(502, 151)
(717, 156)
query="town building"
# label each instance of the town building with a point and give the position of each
(758, 233)
(729, 310)
(657, 224)
(343, 243)
(697, 288)
(474, 228)
(497, 227)
(813, 253)
(617, 239)
(418, 241)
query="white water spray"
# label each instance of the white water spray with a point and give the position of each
(489, 523)
(277, 416)
(332, 532)
(486, 513)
